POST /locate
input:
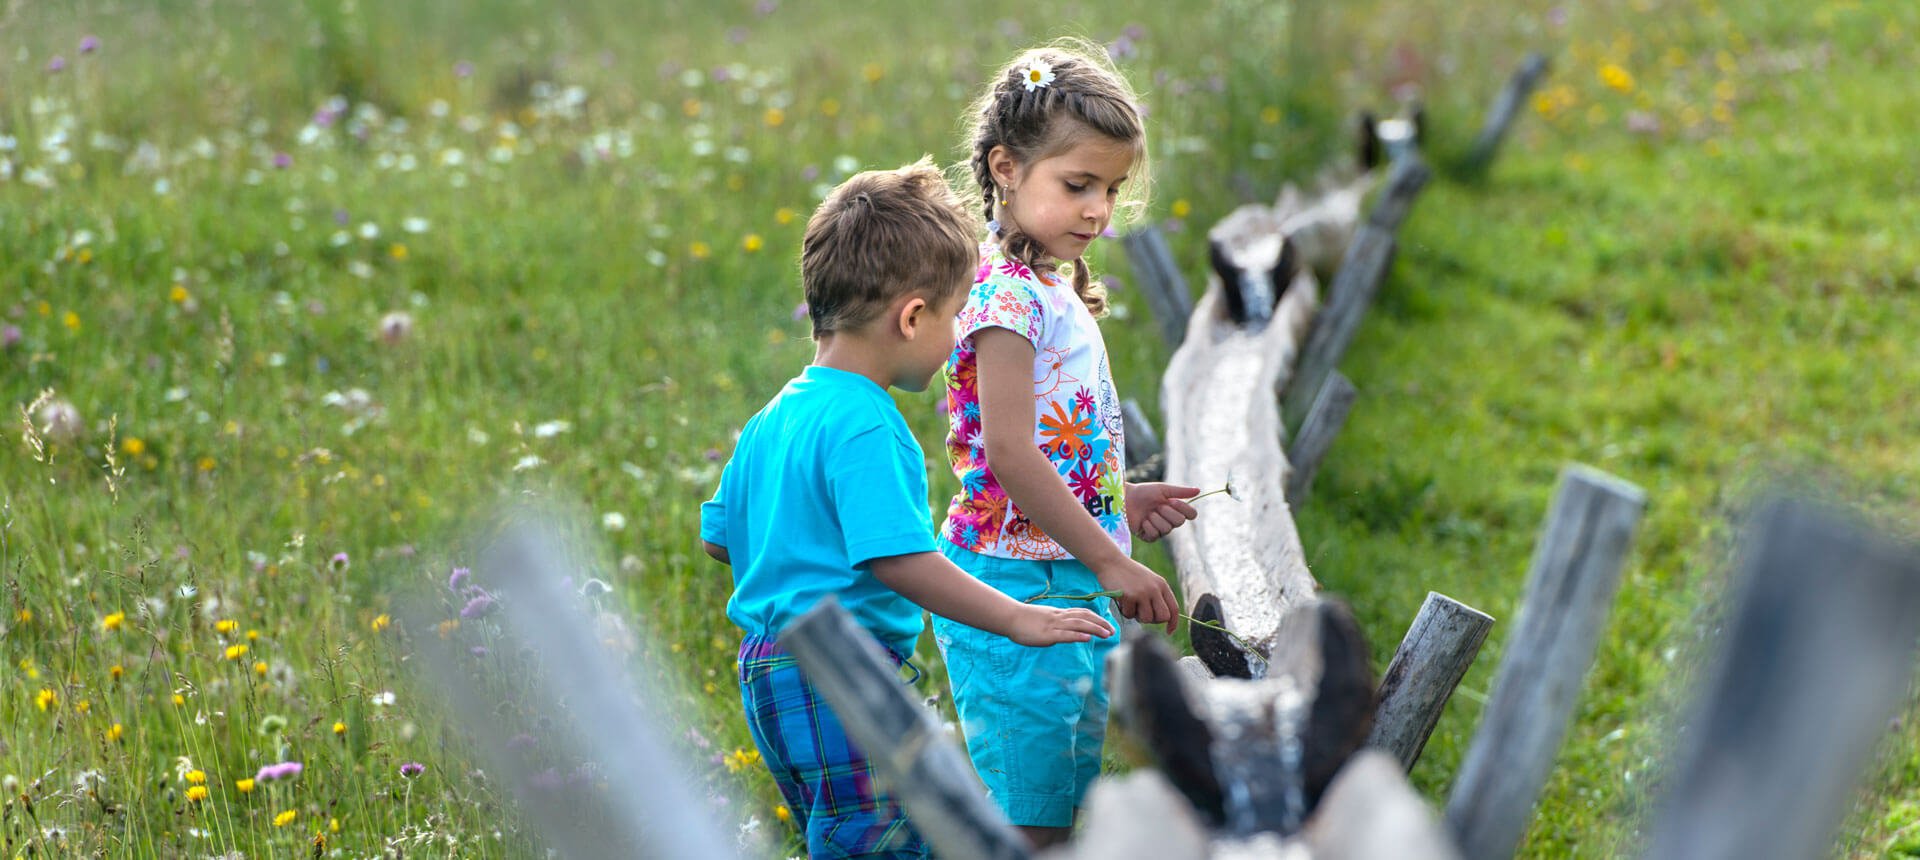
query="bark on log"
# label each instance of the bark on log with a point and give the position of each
(1371, 813)
(1438, 649)
(1505, 108)
(915, 759)
(1362, 270)
(1317, 431)
(1816, 658)
(1160, 280)
(1575, 571)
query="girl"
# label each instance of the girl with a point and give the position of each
(1043, 507)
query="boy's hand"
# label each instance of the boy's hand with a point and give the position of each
(1144, 595)
(1039, 626)
(1155, 509)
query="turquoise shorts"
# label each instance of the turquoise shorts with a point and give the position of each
(1034, 718)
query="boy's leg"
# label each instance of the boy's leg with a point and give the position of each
(836, 797)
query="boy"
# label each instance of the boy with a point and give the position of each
(826, 493)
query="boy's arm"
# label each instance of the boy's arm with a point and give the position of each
(930, 580)
(1006, 420)
(718, 552)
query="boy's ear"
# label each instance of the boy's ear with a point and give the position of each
(913, 314)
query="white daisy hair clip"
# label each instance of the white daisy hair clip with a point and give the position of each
(1037, 75)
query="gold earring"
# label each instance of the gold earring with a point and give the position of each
(1003, 195)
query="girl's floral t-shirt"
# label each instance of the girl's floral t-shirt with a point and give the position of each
(1076, 412)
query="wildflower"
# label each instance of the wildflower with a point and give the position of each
(236, 651)
(46, 699)
(226, 626)
(260, 668)
(412, 769)
(272, 724)
(282, 160)
(196, 777)
(398, 251)
(1037, 76)
(700, 250)
(478, 607)
(115, 732)
(57, 64)
(446, 628)
(333, 824)
(252, 635)
(244, 785)
(339, 728)
(1617, 78)
(89, 44)
(1228, 489)
(113, 621)
(781, 812)
(205, 464)
(613, 521)
(381, 622)
(383, 698)
(283, 770)
(179, 700)
(71, 320)
(9, 335)
(741, 759)
(457, 578)
(873, 73)
(774, 117)
(1181, 208)
(133, 446)
(339, 563)
(752, 243)
(59, 420)
(285, 818)
(115, 671)
(196, 793)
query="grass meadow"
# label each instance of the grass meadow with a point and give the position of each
(294, 294)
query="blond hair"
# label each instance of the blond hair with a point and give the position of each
(881, 235)
(1087, 96)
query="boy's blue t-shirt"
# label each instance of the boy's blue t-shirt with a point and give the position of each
(825, 478)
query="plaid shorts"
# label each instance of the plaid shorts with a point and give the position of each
(828, 785)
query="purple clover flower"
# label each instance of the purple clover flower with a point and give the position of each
(9, 336)
(283, 770)
(458, 578)
(282, 160)
(478, 606)
(89, 44)
(339, 563)
(57, 64)
(412, 769)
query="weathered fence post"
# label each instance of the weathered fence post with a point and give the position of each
(1817, 656)
(1362, 270)
(1433, 657)
(1323, 422)
(1505, 108)
(919, 764)
(1160, 281)
(1575, 571)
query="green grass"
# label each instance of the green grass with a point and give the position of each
(1695, 309)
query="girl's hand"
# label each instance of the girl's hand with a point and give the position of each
(1155, 509)
(1145, 596)
(1038, 626)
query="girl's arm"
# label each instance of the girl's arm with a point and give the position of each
(1005, 381)
(933, 582)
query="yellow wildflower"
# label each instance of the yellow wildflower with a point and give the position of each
(25, 616)
(873, 72)
(205, 464)
(775, 116)
(179, 699)
(1270, 115)
(113, 621)
(226, 625)
(700, 250)
(285, 818)
(71, 320)
(1616, 77)
(115, 671)
(134, 446)
(196, 793)
(196, 777)
(398, 252)
(1181, 208)
(830, 108)
(691, 107)
(784, 216)
(235, 652)
(116, 732)
(382, 622)
(741, 759)
(252, 635)
(83, 706)
(178, 295)
(245, 785)
(752, 243)
(781, 812)
(333, 824)
(447, 627)
(339, 728)
(260, 668)
(46, 699)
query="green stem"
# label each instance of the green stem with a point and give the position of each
(1226, 489)
(1210, 625)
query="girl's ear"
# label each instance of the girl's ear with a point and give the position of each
(1002, 165)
